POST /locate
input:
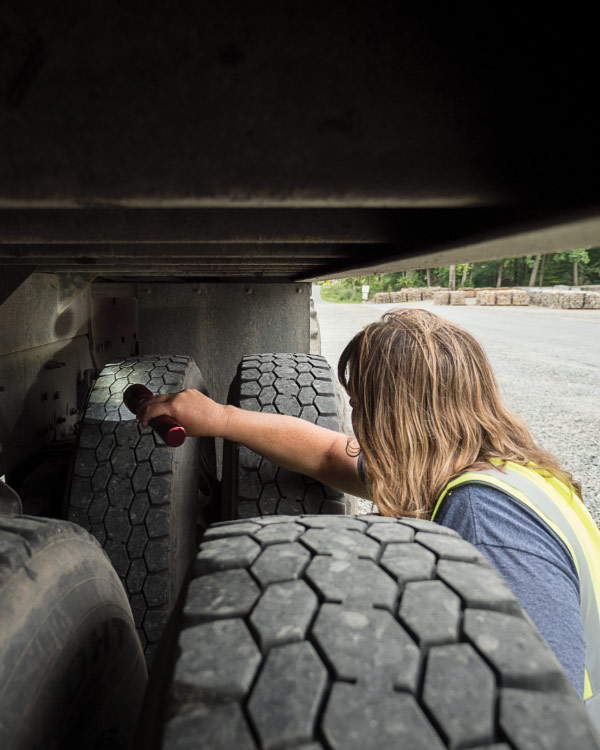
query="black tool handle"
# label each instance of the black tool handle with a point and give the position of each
(170, 431)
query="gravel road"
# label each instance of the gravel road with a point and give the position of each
(547, 363)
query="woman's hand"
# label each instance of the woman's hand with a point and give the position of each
(199, 414)
(293, 443)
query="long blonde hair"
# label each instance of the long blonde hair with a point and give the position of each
(426, 408)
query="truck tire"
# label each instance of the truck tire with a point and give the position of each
(360, 632)
(299, 385)
(136, 495)
(72, 672)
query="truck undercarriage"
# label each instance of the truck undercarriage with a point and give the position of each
(172, 179)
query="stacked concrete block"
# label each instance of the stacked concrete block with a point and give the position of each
(486, 298)
(520, 297)
(551, 299)
(558, 297)
(592, 301)
(503, 297)
(571, 300)
(565, 299)
(382, 298)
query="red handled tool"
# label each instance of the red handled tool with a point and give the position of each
(170, 431)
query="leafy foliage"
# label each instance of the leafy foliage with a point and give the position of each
(557, 268)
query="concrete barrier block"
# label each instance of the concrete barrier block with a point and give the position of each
(592, 301)
(504, 297)
(551, 299)
(571, 300)
(428, 292)
(486, 297)
(382, 298)
(520, 297)
(441, 298)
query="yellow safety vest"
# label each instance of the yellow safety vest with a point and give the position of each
(559, 507)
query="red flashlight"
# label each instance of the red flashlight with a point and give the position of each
(170, 431)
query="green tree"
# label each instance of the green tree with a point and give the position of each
(534, 265)
(463, 269)
(592, 269)
(575, 257)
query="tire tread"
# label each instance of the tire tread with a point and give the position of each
(298, 385)
(123, 479)
(354, 640)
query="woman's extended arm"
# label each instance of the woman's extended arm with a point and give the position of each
(290, 442)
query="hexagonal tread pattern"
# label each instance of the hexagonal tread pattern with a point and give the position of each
(299, 385)
(221, 659)
(286, 698)
(123, 482)
(331, 637)
(431, 611)
(527, 715)
(221, 727)
(284, 613)
(466, 716)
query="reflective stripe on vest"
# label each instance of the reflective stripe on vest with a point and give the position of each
(559, 507)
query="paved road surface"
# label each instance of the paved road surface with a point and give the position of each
(547, 363)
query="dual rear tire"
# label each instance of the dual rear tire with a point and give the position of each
(298, 385)
(140, 498)
(72, 671)
(349, 633)
(306, 629)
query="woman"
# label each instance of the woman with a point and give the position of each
(434, 440)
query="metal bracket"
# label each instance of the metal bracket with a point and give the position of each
(70, 286)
